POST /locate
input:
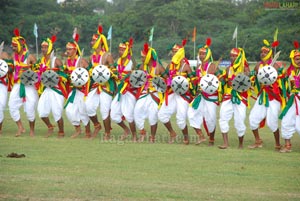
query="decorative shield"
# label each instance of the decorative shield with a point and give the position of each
(29, 77)
(241, 83)
(79, 77)
(101, 74)
(180, 85)
(137, 78)
(267, 75)
(209, 83)
(50, 78)
(3, 68)
(159, 84)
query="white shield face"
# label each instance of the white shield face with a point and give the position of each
(79, 77)
(137, 78)
(101, 74)
(3, 68)
(241, 83)
(50, 78)
(29, 77)
(209, 83)
(267, 75)
(159, 84)
(180, 85)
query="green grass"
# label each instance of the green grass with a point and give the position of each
(81, 169)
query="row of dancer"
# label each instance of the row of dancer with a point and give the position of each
(119, 101)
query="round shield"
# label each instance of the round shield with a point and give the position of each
(241, 83)
(180, 85)
(3, 68)
(79, 77)
(137, 78)
(101, 74)
(267, 75)
(29, 77)
(50, 78)
(159, 84)
(209, 83)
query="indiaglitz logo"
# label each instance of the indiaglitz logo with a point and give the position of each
(282, 5)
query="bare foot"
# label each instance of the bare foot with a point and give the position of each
(31, 133)
(202, 139)
(223, 146)
(87, 135)
(19, 132)
(172, 137)
(50, 131)
(106, 136)
(125, 134)
(77, 132)
(97, 128)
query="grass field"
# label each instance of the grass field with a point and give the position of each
(84, 169)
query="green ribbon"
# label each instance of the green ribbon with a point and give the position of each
(261, 98)
(196, 102)
(234, 97)
(71, 98)
(22, 91)
(288, 106)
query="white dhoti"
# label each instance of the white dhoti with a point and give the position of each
(3, 99)
(123, 107)
(238, 111)
(259, 112)
(291, 121)
(76, 111)
(175, 104)
(51, 101)
(29, 103)
(146, 107)
(95, 100)
(207, 111)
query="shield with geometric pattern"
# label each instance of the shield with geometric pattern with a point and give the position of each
(79, 77)
(50, 78)
(241, 82)
(209, 83)
(29, 78)
(137, 78)
(180, 85)
(267, 75)
(3, 68)
(101, 74)
(159, 84)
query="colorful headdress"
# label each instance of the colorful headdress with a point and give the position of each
(149, 53)
(127, 46)
(295, 53)
(19, 41)
(205, 48)
(267, 47)
(240, 60)
(73, 44)
(180, 53)
(49, 43)
(100, 39)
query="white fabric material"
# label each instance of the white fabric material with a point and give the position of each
(123, 107)
(291, 122)
(3, 100)
(15, 102)
(76, 111)
(95, 100)
(259, 112)
(145, 108)
(175, 104)
(238, 111)
(51, 101)
(207, 110)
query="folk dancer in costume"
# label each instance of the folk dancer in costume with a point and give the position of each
(4, 84)
(173, 102)
(122, 106)
(100, 95)
(149, 99)
(75, 105)
(52, 99)
(203, 109)
(22, 95)
(269, 100)
(291, 113)
(234, 103)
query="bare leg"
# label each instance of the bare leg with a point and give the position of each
(143, 134)
(77, 131)
(212, 138)
(185, 133)
(287, 147)
(126, 130)
(61, 132)
(133, 131)
(97, 126)
(258, 142)
(201, 137)
(31, 125)
(241, 139)
(21, 129)
(168, 125)
(225, 139)
(277, 140)
(88, 131)
(0, 128)
(153, 133)
(107, 128)
(49, 125)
